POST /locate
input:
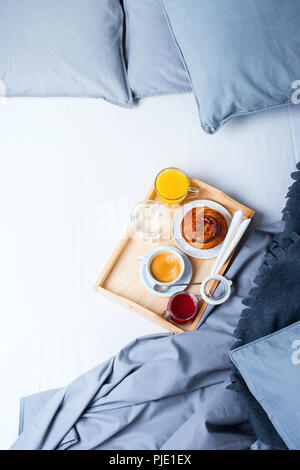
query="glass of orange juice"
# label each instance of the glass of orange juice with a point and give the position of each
(173, 185)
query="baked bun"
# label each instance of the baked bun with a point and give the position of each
(204, 228)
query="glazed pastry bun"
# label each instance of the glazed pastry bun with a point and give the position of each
(204, 228)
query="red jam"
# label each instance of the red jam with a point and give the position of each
(183, 307)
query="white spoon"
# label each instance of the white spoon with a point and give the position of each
(235, 222)
(234, 242)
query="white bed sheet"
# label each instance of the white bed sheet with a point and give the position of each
(63, 163)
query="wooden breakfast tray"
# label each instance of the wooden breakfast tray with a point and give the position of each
(120, 279)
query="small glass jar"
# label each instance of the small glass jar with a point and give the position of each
(182, 308)
(148, 219)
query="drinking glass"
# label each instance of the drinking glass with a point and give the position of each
(148, 219)
(182, 308)
(173, 185)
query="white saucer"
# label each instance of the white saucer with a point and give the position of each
(186, 277)
(177, 233)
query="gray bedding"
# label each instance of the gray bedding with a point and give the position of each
(160, 392)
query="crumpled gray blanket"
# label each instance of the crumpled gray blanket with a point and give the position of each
(272, 305)
(163, 391)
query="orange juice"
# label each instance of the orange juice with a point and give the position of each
(172, 185)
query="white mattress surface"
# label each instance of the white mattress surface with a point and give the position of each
(70, 171)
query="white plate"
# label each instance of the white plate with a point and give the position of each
(177, 234)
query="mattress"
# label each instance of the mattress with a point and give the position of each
(70, 171)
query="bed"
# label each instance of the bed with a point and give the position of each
(71, 169)
(51, 247)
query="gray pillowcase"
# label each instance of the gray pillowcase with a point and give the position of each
(63, 48)
(154, 63)
(242, 56)
(270, 367)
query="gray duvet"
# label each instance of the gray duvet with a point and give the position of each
(160, 392)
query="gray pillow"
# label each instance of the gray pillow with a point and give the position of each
(154, 63)
(63, 48)
(242, 56)
(270, 367)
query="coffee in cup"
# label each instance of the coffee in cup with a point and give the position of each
(165, 267)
